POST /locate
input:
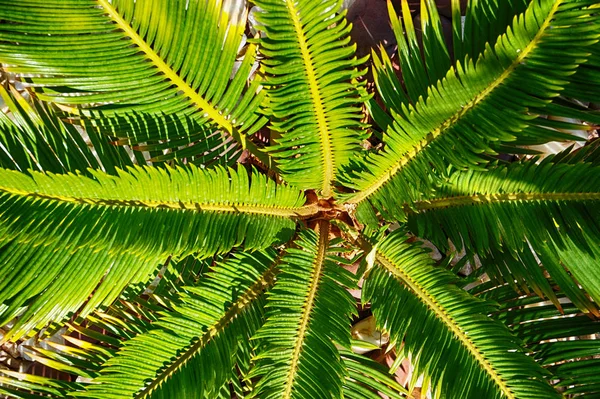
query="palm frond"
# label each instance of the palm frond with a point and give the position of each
(422, 63)
(551, 206)
(34, 137)
(88, 344)
(564, 342)
(119, 228)
(461, 117)
(191, 351)
(308, 310)
(123, 65)
(483, 23)
(313, 92)
(368, 379)
(445, 331)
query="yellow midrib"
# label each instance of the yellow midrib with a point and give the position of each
(291, 212)
(507, 197)
(448, 321)
(307, 308)
(324, 133)
(200, 102)
(236, 308)
(406, 158)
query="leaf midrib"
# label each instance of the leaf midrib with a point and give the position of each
(434, 134)
(445, 318)
(273, 210)
(481, 199)
(307, 308)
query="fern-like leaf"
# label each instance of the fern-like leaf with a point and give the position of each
(313, 92)
(308, 310)
(446, 332)
(55, 226)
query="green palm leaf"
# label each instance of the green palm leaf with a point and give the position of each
(484, 22)
(551, 206)
(313, 94)
(124, 225)
(205, 328)
(461, 116)
(297, 357)
(561, 341)
(447, 332)
(34, 137)
(122, 64)
(368, 379)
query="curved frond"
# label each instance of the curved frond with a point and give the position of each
(483, 23)
(477, 104)
(34, 137)
(135, 69)
(83, 351)
(564, 342)
(552, 206)
(119, 228)
(313, 93)
(368, 379)
(308, 310)
(192, 350)
(422, 62)
(446, 332)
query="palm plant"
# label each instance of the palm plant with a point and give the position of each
(154, 142)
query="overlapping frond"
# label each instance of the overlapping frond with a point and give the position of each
(84, 349)
(552, 206)
(522, 270)
(150, 73)
(447, 332)
(313, 93)
(119, 228)
(565, 342)
(35, 138)
(191, 351)
(307, 311)
(476, 104)
(483, 23)
(368, 379)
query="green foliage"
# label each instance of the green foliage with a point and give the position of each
(183, 204)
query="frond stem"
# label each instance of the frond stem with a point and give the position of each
(308, 306)
(301, 212)
(466, 200)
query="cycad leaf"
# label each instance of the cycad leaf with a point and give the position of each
(477, 104)
(368, 379)
(192, 350)
(34, 137)
(422, 63)
(313, 92)
(562, 342)
(53, 227)
(308, 310)
(85, 349)
(484, 22)
(552, 206)
(447, 332)
(135, 68)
